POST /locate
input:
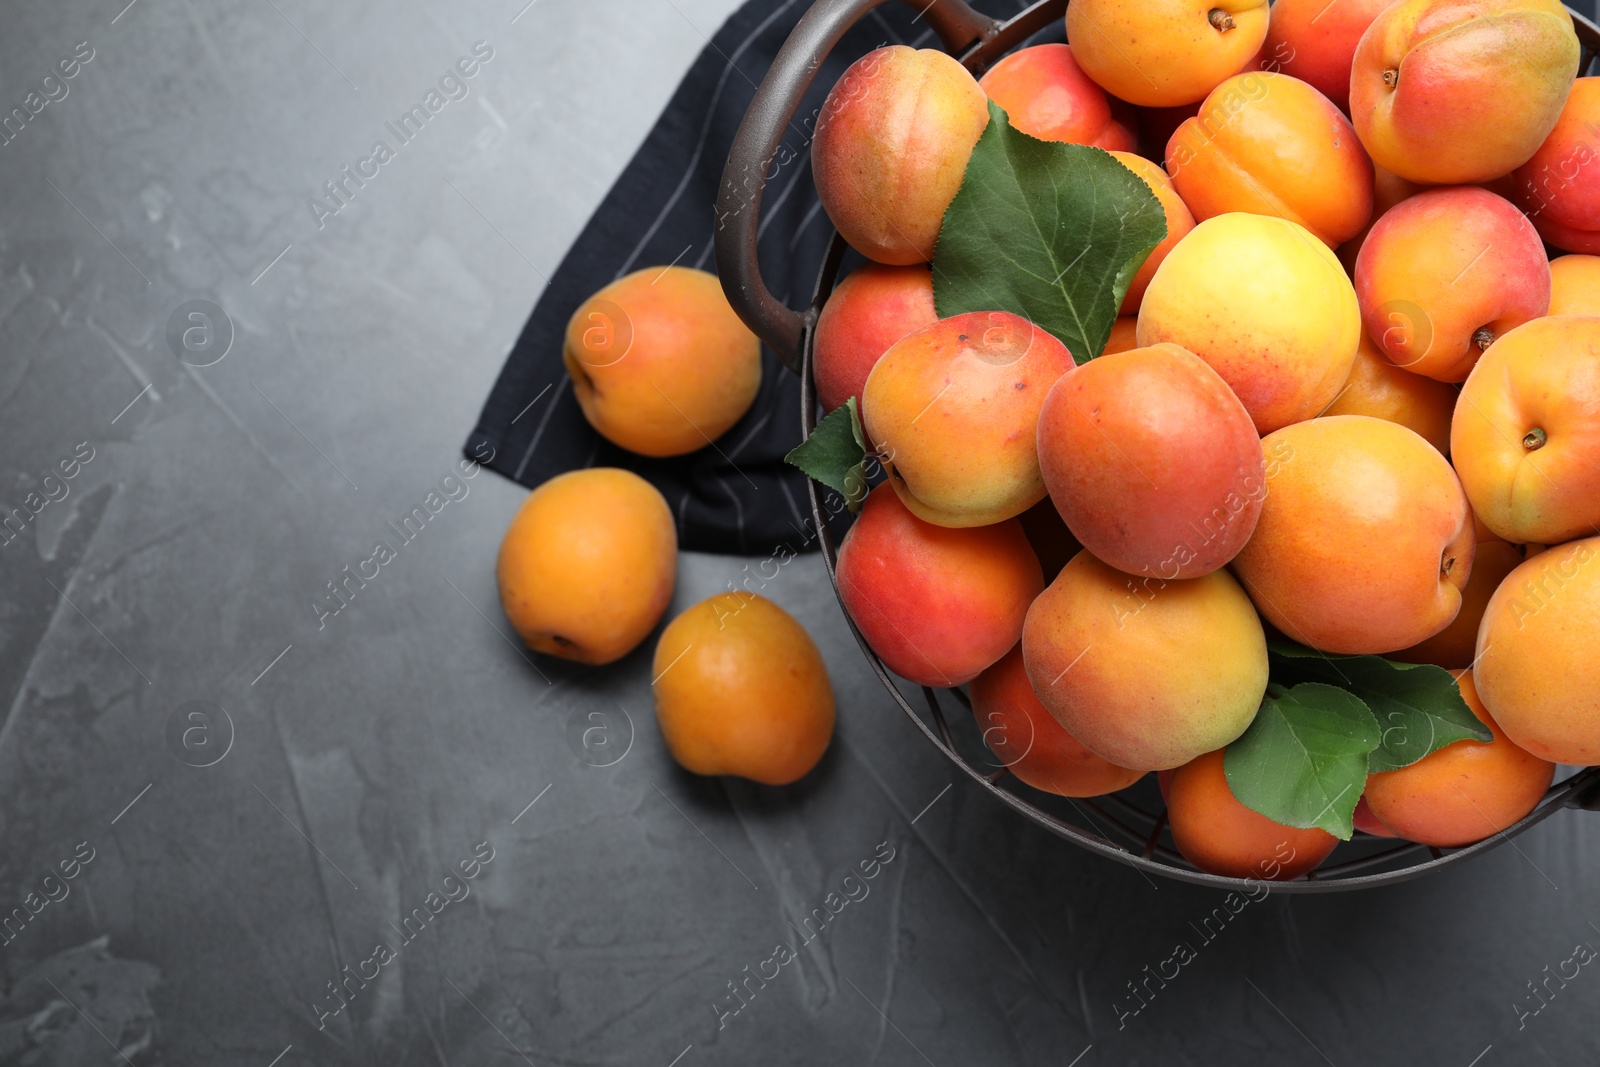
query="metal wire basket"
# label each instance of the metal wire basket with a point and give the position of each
(1130, 826)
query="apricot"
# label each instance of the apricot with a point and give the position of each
(1152, 462)
(1535, 667)
(1574, 286)
(891, 149)
(1464, 792)
(741, 689)
(1047, 95)
(1558, 187)
(1384, 391)
(1526, 435)
(1447, 92)
(1221, 836)
(936, 604)
(1363, 820)
(1364, 541)
(1124, 335)
(1267, 305)
(869, 311)
(1444, 273)
(1315, 41)
(1454, 647)
(587, 565)
(1031, 744)
(1179, 223)
(1145, 673)
(660, 363)
(954, 408)
(1162, 53)
(1272, 145)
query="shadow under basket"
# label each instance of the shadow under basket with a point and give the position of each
(1129, 826)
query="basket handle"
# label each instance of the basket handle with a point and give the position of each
(760, 135)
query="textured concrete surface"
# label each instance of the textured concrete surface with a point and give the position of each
(215, 796)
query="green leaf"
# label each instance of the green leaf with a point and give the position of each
(1419, 707)
(1052, 232)
(1303, 761)
(835, 454)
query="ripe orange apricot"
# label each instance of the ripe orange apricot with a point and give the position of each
(1219, 835)
(1444, 273)
(954, 409)
(1047, 95)
(868, 312)
(936, 604)
(587, 566)
(1526, 434)
(1124, 334)
(1152, 462)
(1384, 391)
(1363, 820)
(891, 149)
(1447, 92)
(1575, 285)
(1145, 673)
(1535, 667)
(1557, 187)
(1464, 792)
(1365, 538)
(1179, 223)
(1315, 41)
(741, 689)
(660, 363)
(1454, 647)
(1162, 53)
(1031, 744)
(1270, 144)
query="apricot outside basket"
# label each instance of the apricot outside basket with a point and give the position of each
(1129, 827)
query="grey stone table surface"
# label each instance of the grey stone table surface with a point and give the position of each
(217, 802)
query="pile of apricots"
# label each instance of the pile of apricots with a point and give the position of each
(1353, 400)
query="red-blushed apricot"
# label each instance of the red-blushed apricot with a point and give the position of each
(1448, 92)
(1453, 647)
(936, 604)
(1559, 188)
(1536, 648)
(1444, 273)
(1146, 673)
(741, 689)
(1526, 433)
(1270, 144)
(1124, 335)
(1047, 95)
(1365, 538)
(891, 149)
(587, 566)
(1363, 820)
(1162, 53)
(660, 363)
(1152, 462)
(1267, 305)
(1384, 391)
(1219, 835)
(1464, 792)
(1031, 744)
(865, 315)
(954, 408)
(1179, 223)
(1315, 41)
(1574, 286)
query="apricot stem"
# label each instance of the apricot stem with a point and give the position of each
(1391, 78)
(1483, 338)
(1534, 439)
(1220, 19)
(1447, 566)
